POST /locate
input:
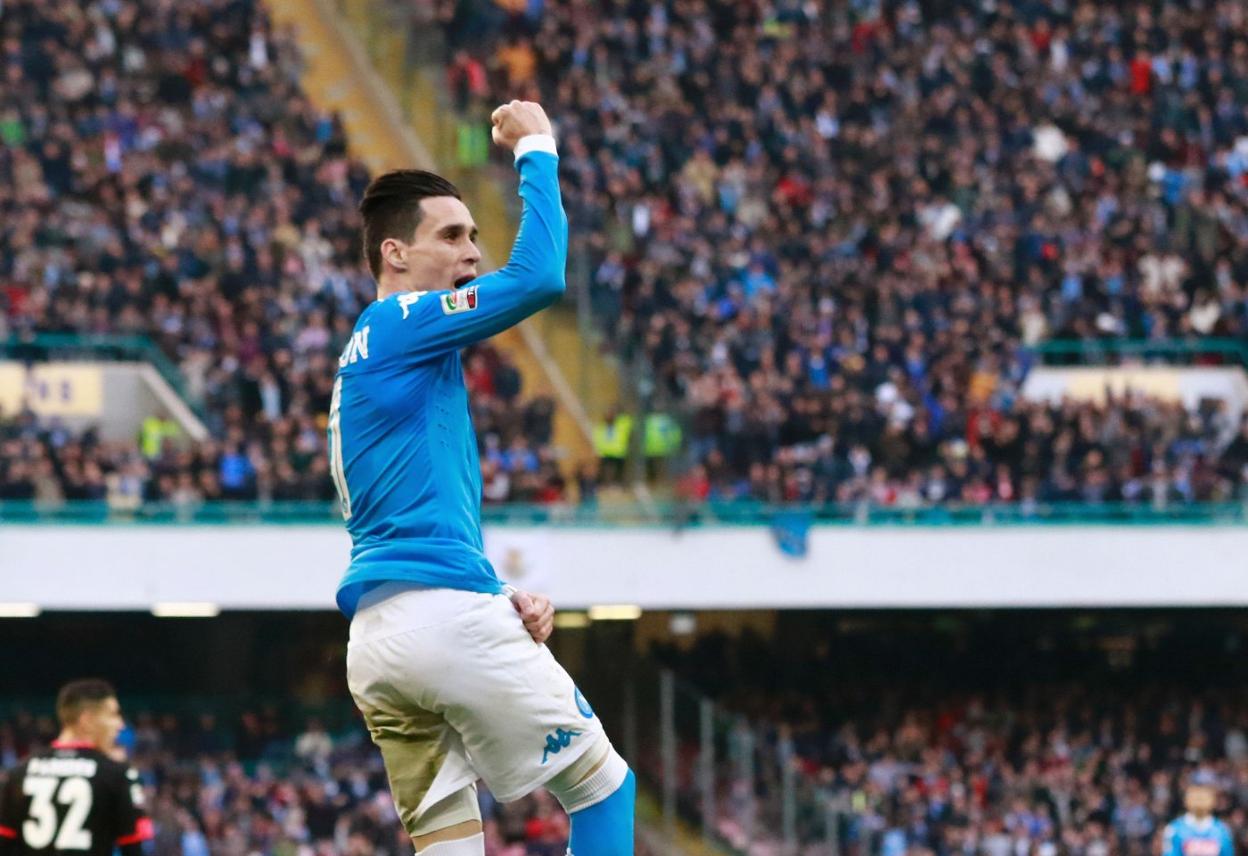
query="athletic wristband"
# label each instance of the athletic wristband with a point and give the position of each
(536, 143)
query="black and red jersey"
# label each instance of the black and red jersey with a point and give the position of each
(72, 799)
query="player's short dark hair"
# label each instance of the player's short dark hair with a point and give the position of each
(391, 207)
(77, 695)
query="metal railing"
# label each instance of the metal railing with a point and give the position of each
(664, 515)
(740, 784)
(1224, 351)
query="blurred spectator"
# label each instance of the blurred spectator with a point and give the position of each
(612, 436)
(314, 745)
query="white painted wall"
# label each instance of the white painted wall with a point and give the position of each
(1187, 383)
(297, 567)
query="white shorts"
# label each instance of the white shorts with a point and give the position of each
(453, 689)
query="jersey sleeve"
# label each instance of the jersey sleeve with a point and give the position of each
(426, 325)
(11, 810)
(132, 819)
(1228, 843)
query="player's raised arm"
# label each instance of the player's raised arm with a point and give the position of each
(424, 323)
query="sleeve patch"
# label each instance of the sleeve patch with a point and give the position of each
(460, 300)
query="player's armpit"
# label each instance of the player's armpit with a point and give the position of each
(427, 325)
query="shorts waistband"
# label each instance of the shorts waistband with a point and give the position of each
(395, 607)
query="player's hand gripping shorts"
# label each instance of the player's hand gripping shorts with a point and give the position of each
(453, 689)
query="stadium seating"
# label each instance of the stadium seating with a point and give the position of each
(161, 173)
(836, 270)
(247, 784)
(835, 229)
(1027, 747)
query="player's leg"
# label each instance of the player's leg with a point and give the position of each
(424, 758)
(525, 725)
(450, 835)
(599, 802)
(431, 778)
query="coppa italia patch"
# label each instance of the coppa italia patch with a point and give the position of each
(461, 300)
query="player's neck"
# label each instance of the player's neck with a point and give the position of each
(392, 286)
(71, 739)
(401, 283)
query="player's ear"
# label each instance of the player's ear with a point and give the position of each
(394, 253)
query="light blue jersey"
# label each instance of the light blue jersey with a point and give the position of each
(403, 452)
(1188, 836)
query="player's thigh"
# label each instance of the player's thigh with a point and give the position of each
(425, 759)
(519, 713)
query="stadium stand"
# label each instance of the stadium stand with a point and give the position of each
(836, 230)
(162, 174)
(972, 732)
(809, 273)
(249, 784)
(1032, 738)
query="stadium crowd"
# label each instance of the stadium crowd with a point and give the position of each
(1057, 769)
(262, 457)
(1129, 449)
(250, 787)
(942, 764)
(162, 173)
(833, 228)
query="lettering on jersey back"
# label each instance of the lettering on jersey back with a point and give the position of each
(356, 349)
(85, 767)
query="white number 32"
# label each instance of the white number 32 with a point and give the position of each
(40, 829)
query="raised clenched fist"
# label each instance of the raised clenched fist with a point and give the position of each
(518, 119)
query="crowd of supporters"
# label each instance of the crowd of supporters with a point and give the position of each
(1134, 449)
(833, 228)
(1020, 759)
(249, 786)
(163, 174)
(832, 231)
(269, 458)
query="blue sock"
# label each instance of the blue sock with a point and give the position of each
(606, 828)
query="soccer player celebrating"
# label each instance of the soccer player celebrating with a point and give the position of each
(1198, 833)
(76, 798)
(447, 664)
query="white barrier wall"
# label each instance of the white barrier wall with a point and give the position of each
(1190, 384)
(297, 567)
(113, 396)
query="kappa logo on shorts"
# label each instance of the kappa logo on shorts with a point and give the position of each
(557, 742)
